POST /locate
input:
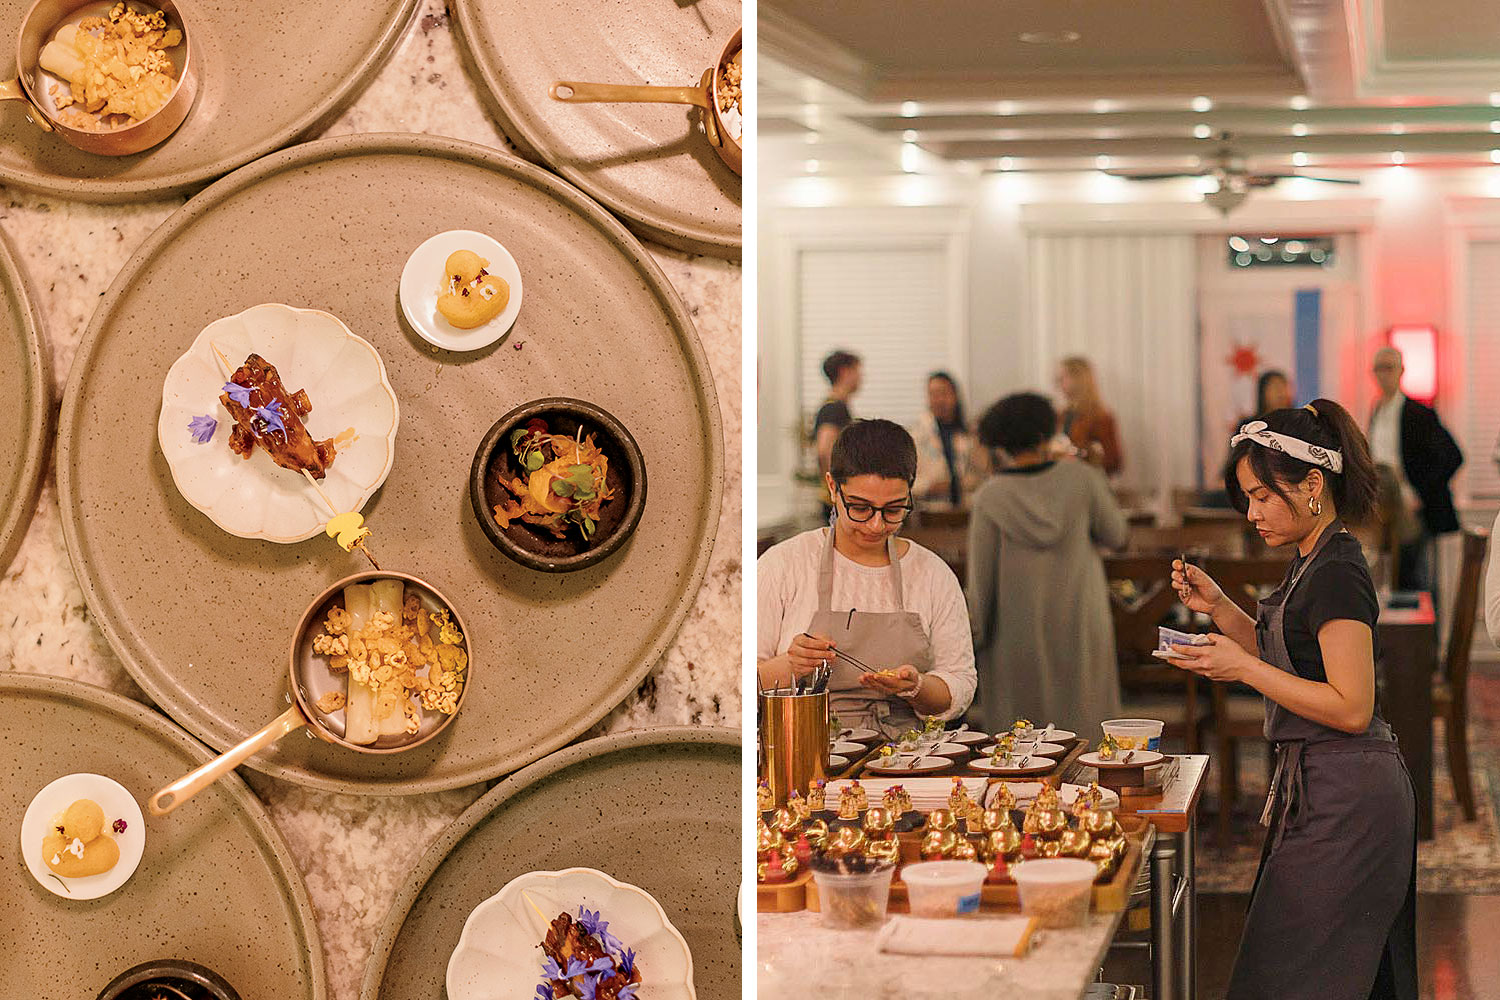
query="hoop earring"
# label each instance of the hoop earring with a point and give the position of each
(1315, 506)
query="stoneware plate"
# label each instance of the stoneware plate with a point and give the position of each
(499, 955)
(25, 402)
(267, 76)
(1038, 765)
(658, 809)
(117, 804)
(315, 225)
(902, 765)
(845, 747)
(837, 762)
(1142, 758)
(206, 874)
(1053, 750)
(858, 735)
(352, 401)
(423, 280)
(967, 736)
(649, 163)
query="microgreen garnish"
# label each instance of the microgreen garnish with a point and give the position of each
(202, 428)
(239, 393)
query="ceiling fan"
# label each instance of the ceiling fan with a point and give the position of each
(1233, 180)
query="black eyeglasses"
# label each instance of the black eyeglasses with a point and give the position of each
(859, 512)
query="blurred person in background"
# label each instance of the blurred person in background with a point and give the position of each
(1038, 601)
(842, 370)
(1410, 439)
(949, 464)
(1086, 422)
(856, 587)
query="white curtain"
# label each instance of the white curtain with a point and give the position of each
(1127, 303)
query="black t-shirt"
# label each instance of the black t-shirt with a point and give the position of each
(835, 412)
(1338, 587)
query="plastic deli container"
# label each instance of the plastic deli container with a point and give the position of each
(1135, 734)
(854, 901)
(943, 888)
(1056, 892)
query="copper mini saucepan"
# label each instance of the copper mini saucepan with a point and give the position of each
(705, 95)
(31, 85)
(309, 678)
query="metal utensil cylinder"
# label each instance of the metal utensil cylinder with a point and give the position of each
(793, 741)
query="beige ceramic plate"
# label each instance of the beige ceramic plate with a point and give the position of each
(25, 404)
(269, 73)
(659, 809)
(206, 875)
(202, 619)
(649, 163)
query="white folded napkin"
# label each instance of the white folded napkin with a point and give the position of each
(1007, 937)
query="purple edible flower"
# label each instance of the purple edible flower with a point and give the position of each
(202, 428)
(271, 414)
(627, 992)
(239, 393)
(118, 826)
(544, 991)
(575, 968)
(551, 970)
(605, 964)
(587, 987)
(627, 962)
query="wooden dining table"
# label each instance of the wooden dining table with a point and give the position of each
(1408, 643)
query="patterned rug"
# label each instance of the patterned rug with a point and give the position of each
(1463, 857)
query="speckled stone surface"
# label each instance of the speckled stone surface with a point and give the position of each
(795, 949)
(603, 805)
(263, 80)
(208, 875)
(355, 851)
(25, 403)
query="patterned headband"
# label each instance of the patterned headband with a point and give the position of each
(1257, 431)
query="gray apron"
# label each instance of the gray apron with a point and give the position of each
(883, 640)
(1333, 910)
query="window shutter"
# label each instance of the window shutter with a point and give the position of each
(1481, 429)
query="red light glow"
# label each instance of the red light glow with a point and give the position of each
(1418, 347)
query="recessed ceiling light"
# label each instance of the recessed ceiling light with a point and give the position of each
(1299, 159)
(1398, 158)
(1238, 243)
(910, 135)
(1399, 129)
(1495, 126)
(1300, 103)
(1495, 156)
(1202, 131)
(908, 109)
(1100, 107)
(909, 156)
(1299, 129)
(1495, 98)
(1202, 104)
(1007, 162)
(1101, 161)
(1063, 37)
(811, 166)
(1006, 107)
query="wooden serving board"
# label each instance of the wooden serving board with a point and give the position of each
(783, 897)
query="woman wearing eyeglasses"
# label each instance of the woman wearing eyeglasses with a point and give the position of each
(856, 587)
(1037, 597)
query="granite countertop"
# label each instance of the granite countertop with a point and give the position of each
(795, 948)
(355, 851)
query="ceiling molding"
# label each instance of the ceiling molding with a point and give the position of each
(797, 45)
(1318, 46)
(1220, 82)
(1327, 215)
(1248, 145)
(1377, 74)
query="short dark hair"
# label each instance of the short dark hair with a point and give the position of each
(1019, 422)
(873, 448)
(958, 404)
(1266, 378)
(1323, 423)
(835, 363)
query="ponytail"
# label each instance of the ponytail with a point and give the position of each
(1321, 422)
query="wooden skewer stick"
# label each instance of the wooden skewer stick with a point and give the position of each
(540, 915)
(314, 483)
(228, 368)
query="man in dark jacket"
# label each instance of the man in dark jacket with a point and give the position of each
(1409, 438)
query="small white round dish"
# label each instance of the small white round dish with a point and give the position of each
(352, 402)
(846, 747)
(857, 735)
(1138, 758)
(903, 765)
(499, 954)
(52, 801)
(1053, 750)
(837, 762)
(423, 281)
(965, 736)
(1038, 765)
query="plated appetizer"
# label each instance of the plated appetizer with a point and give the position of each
(566, 486)
(117, 64)
(82, 836)
(79, 844)
(584, 960)
(461, 290)
(470, 295)
(267, 416)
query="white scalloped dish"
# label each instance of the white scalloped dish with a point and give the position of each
(499, 955)
(352, 402)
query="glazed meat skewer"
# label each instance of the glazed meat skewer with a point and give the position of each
(265, 414)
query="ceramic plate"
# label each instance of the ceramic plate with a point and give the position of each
(649, 163)
(499, 956)
(902, 767)
(1142, 758)
(264, 81)
(1052, 750)
(967, 737)
(352, 401)
(658, 809)
(837, 762)
(423, 281)
(25, 403)
(117, 804)
(287, 229)
(846, 747)
(1041, 765)
(206, 874)
(858, 735)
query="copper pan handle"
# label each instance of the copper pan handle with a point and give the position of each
(10, 90)
(594, 93)
(193, 782)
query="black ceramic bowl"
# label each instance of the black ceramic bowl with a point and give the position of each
(538, 548)
(174, 976)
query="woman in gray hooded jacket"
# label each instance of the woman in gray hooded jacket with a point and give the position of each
(1038, 601)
